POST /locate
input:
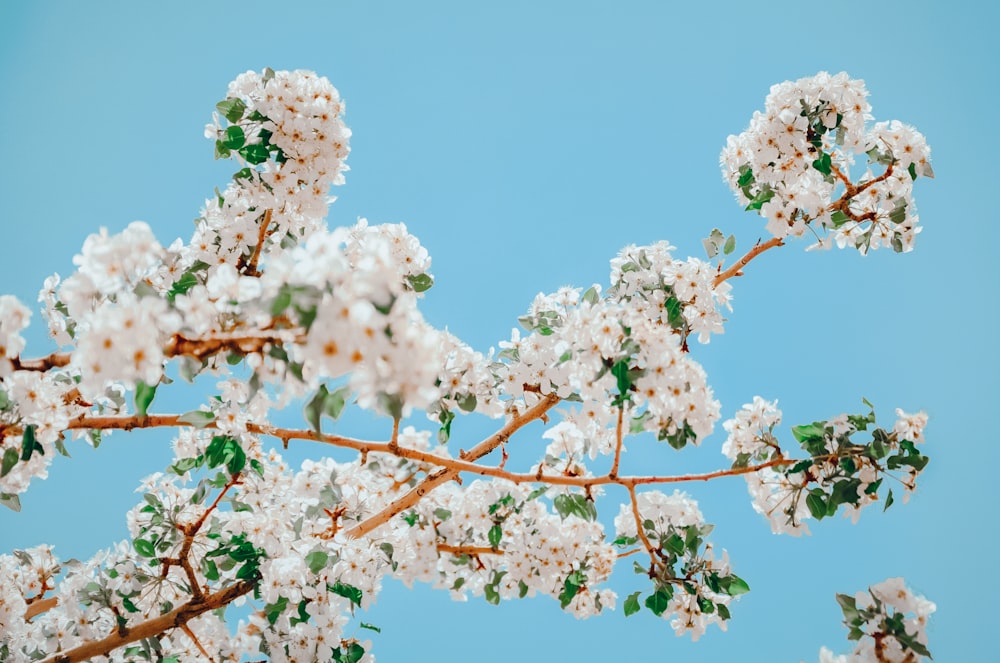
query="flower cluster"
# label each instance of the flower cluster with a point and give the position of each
(889, 622)
(286, 129)
(691, 587)
(796, 156)
(839, 471)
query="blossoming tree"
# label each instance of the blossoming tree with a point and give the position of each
(281, 310)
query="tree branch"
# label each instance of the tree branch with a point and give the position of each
(445, 474)
(176, 618)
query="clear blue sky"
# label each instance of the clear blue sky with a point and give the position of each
(525, 145)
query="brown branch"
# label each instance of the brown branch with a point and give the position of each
(178, 345)
(36, 608)
(251, 269)
(653, 552)
(467, 550)
(452, 466)
(54, 360)
(737, 268)
(618, 443)
(190, 634)
(176, 618)
(446, 474)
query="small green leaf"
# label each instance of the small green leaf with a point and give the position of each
(730, 245)
(420, 282)
(824, 164)
(197, 418)
(234, 138)
(273, 610)
(10, 457)
(632, 604)
(466, 402)
(12, 502)
(762, 197)
(659, 601)
(370, 627)
(578, 505)
(145, 548)
(254, 154)
(817, 505)
(839, 218)
(674, 544)
(185, 282)
(29, 444)
(143, 397)
(737, 586)
(317, 560)
(349, 592)
(495, 534)
(231, 109)
(888, 501)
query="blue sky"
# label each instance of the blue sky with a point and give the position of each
(525, 143)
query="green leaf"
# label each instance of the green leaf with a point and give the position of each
(730, 245)
(723, 610)
(632, 604)
(746, 176)
(817, 505)
(762, 197)
(12, 502)
(442, 514)
(574, 504)
(221, 152)
(144, 548)
(574, 581)
(143, 397)
(838, 218)
(809, 432)
(536, 493)
(675, 313)
(370, 627)
(234, 139)
(254, 154)
(185, 282)
(326, 403)
(209, 569)
(659, 601)
(317, 560)
(898, 213)
(495, 534)
(273, 610)
(420, 282)
(674, 544)
(349, 592)
(888, 501)
(10, 457)
(466, 402)
(737, 586)
(232, 109)
(29, 444)
(226, 450)
(591, 296)
(824, 164)
(197, 418)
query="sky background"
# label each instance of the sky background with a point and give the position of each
(525, 143)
